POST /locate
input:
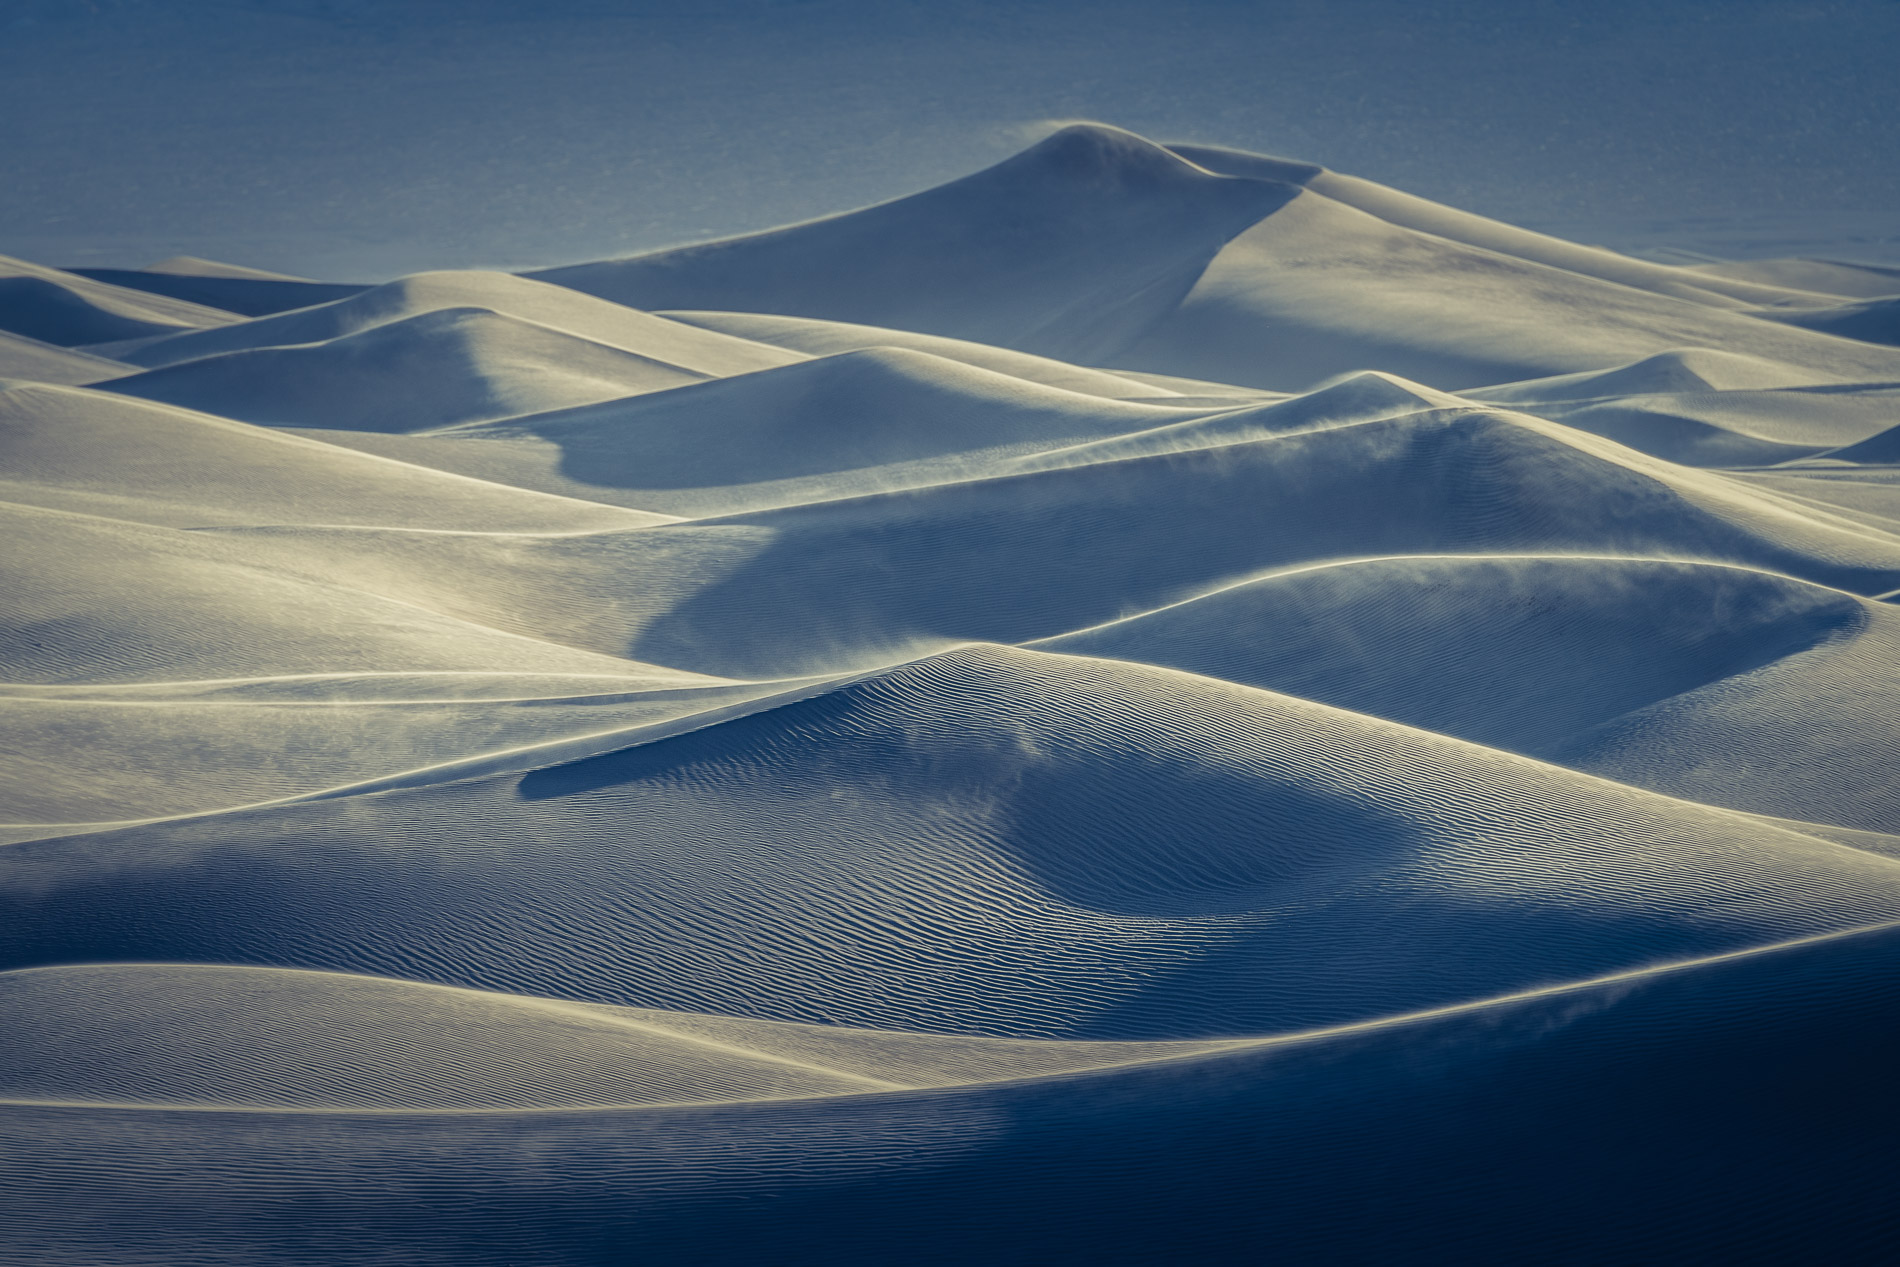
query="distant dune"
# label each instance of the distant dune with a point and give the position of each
(495, 293)
(66, 309)
(1101, 247)
(248, 292)
(1870, 321)
(443, 367)
(1149, 704)
(30, 360)
(1826, 277)
(815, 431)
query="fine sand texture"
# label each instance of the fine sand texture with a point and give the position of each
(1152, 703)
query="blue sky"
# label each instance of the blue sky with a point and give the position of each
(367, 137)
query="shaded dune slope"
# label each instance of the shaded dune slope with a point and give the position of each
(66, 309)
(1809, 736)
(1870, 321)
(1716, 684)
(1882, 449)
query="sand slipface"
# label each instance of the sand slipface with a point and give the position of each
(1151, 703)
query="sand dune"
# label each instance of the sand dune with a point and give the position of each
(851, 584)
(129, 459)
(1882, 449)
(1871, 321)
(1517, 652)
(102, 600)
(1067, 250)
(113, 754)
(248, 292)
(1410, 212)
(704, 353)
(159, 1034)
(1720, 430)
(1827, 277)
(1765, 1053)
(837, 426)
(827, 338)
(1347, 401)
(1869, 494)
(1706, 408)
(67, 309)
(30, 360)
(434, 370)
(1262, 282)
(1320, 287)
(990, 841)
(1803, 737)
(1676, 371)
(1739, 429)
(1151, 703)
(1717, 684)
(156, 1035)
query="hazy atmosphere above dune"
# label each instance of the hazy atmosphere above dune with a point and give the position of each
(358, 139)
(840, 633)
